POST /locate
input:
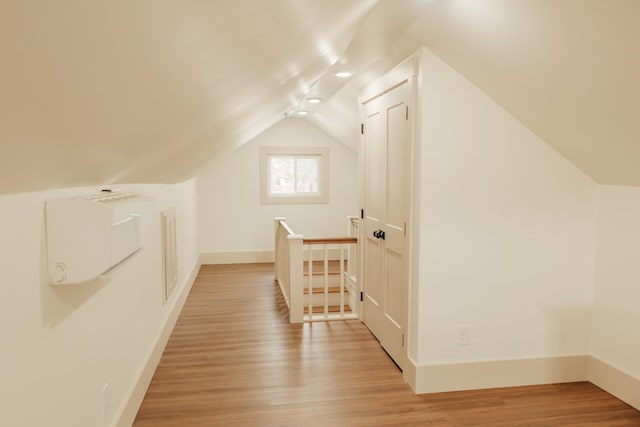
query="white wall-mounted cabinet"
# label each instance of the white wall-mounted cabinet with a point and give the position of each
(89, 236)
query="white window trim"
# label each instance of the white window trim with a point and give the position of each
(300, 198)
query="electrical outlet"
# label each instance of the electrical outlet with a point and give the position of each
(464, 335)
(105, 398)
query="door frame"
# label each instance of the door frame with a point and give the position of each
(407, 71)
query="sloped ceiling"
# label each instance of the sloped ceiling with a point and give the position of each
(97, 93)
(569, 70)
(100, 92)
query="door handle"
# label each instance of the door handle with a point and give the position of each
(378, 234)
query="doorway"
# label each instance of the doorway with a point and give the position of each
(385, 188)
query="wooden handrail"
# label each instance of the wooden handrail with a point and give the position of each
(312, 297)
(286, 227)
(329, 240)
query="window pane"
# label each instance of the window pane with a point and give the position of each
(294, 175)
(307, 175)
(282, 175)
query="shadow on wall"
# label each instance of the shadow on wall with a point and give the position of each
(58, 302)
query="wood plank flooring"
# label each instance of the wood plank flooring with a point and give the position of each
(234, 360)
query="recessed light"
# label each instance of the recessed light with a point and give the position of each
(343, 74)
(314, 100)
(302, 113)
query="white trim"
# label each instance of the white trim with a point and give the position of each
(236, 257)
(407, 72)
(169, 251)
(614, 381)
(409, 374)
(330, 317)
(321, 197)
(404, 71)
(522, 372)
(129, 409)
(498, 373)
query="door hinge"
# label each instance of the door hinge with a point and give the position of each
(407, 113)
(403, 340)
(361, 296)
(362, 128)
(361, 213)
(405, 228)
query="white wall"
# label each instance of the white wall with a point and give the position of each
(231, 216)
(616, 322)
(507, 232)
(60, 345)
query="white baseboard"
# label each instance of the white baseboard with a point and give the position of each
(237, 257)
(499, 373)
(129, 409)
(621, 384)
(522, 372)
(409, 374)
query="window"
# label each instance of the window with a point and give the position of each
(294, 175)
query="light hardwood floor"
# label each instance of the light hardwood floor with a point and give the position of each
(233, 360)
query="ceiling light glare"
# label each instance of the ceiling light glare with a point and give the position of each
(314, 100)
(302, 113)
(343, 74)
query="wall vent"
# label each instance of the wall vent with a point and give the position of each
(169, 251)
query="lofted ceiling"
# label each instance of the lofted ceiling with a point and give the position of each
(568, 69)
(98, 93)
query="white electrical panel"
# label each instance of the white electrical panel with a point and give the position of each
(89, 236)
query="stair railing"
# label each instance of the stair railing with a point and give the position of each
(352, 250)
(288, 268)
(325, 300)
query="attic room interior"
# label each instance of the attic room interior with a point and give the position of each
(518, 199)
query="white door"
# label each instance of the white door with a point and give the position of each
(386, 188)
